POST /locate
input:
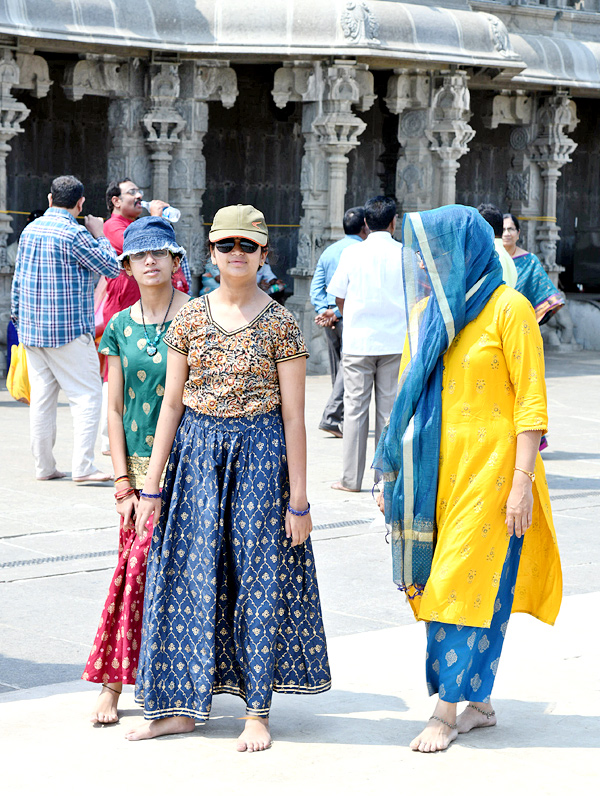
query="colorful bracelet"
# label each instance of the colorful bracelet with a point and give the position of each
(121, 478)
(299, 513)
(149, 496)
(124, 492)
(124, 495)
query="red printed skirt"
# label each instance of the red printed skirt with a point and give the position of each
(116, 649)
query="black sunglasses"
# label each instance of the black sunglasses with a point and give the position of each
(225, 246)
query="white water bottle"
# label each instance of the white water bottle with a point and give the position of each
(169, 212)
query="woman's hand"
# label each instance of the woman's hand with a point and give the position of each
(146, 508)
(297, 528)
(519, 506)
(127, 509)
(380, 500)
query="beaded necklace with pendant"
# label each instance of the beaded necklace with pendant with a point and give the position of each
(151, 347)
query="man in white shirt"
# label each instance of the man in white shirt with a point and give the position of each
(496, 221)
(369, 291)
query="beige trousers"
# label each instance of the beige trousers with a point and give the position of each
(361, 375)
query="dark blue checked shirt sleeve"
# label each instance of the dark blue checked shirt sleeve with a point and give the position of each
(52, 296)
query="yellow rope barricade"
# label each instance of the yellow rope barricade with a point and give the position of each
(205, 223)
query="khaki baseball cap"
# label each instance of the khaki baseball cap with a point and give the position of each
(239, 221)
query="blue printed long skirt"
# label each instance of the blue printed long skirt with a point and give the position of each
(230, 606)
(462, 661)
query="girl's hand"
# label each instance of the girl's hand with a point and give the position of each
(380, 500)
(146, 508)
(297, 528)
(519, 506)
(127, 509)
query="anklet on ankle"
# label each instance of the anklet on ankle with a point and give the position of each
(114, 690)
(485, 713)
(443, 721)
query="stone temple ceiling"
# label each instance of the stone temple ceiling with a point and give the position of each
(385, 33)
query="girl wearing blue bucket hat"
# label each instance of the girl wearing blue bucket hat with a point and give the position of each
(137, 362)
(232, 603)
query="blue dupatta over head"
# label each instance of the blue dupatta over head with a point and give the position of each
(451, 269)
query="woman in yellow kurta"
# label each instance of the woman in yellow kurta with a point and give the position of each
(473, 395)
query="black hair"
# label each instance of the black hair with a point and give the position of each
(114, 189)
(380, 212)
(494, 218)
(514, 219)
(354, 220)
(66, 191)
(34, 214)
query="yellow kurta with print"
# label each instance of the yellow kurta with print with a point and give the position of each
(493, 389)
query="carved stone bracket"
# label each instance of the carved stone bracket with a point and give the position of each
(98, 75)
(215, 80)
(551, 149)
(33, 74)
(508, 107)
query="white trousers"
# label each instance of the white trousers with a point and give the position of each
(361, 375)
(75, 369)
(104, 441)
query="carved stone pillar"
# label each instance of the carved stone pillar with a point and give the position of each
(434, 133)
(551, 149)
(409, 96)
(163, 124)
(29, 72)
(201, 83)
(450, 132)
(331, 131)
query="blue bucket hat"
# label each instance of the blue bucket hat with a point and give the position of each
(147, 234)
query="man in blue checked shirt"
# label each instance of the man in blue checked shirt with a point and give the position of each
(52, 306)
(329, 317)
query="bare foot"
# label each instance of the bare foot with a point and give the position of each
(434, 738)
(105, 710)
(255, 737)
(172, 725)
(476, 714)
(53, 476)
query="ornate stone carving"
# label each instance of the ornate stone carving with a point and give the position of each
(499, 35)
(517, 186)
(450, 132)
(99, 75)
(295, 81)
(359, 24)
(519, 139)
(215, 80)
(33, 74)
(508, 108)
(551, 149)
(163, 123)
(413, 123)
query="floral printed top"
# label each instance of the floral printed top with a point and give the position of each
(234, 374)
(143, 390)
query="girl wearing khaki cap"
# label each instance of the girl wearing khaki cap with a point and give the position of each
(232, 603)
